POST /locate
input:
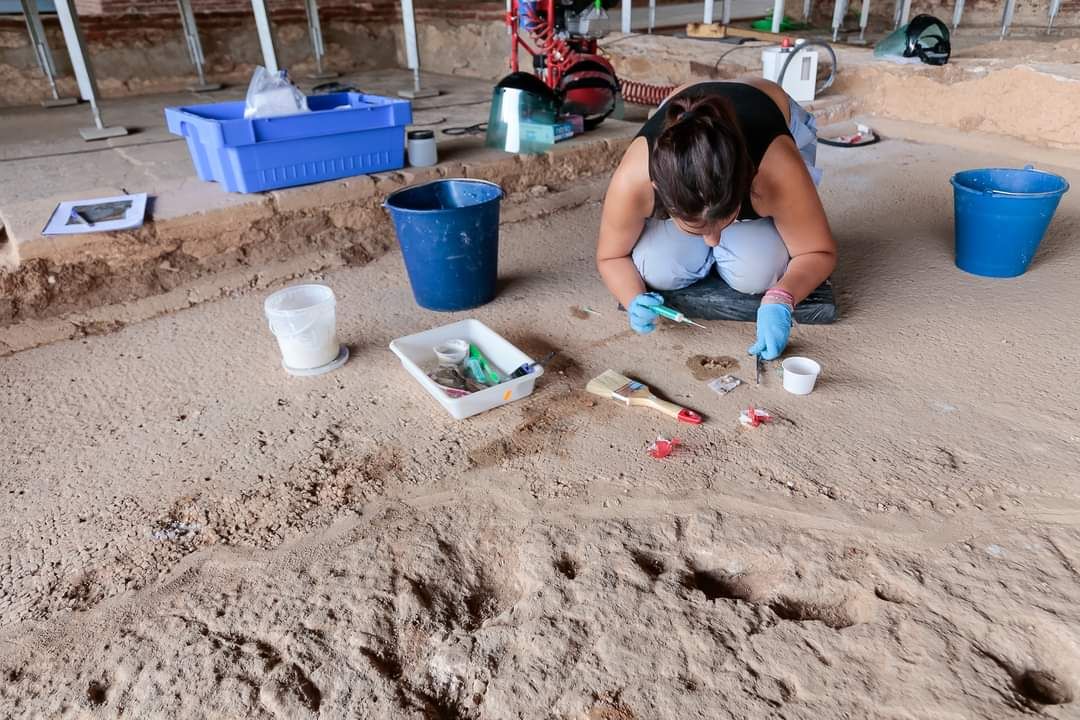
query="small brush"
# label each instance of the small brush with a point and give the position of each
(611, 384)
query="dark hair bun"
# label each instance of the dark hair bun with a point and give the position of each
(700, 165)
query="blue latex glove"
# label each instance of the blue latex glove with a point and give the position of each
(642, 319)
(773, 329)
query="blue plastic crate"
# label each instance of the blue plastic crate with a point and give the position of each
(345, 134)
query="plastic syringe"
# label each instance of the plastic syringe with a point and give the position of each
(673, 315)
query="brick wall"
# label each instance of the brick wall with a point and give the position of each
(113, 20)
(149, 7)
(980, 11)
(144, 52)
(363, 10)
(137, 46)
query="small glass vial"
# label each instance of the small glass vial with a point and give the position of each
(421, 147)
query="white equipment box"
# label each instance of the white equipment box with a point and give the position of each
(800, 78)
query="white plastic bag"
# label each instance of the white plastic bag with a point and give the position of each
(271, 94)
(594, 22)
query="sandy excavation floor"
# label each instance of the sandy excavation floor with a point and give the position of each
(190, 533)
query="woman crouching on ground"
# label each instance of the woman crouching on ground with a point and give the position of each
(722, 175)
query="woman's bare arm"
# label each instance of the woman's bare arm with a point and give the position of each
(627, 204)
(794, 205)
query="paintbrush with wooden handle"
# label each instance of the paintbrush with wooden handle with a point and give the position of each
(612, 385)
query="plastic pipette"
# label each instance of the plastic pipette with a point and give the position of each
(673, 315)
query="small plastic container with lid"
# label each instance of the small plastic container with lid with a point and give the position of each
(421, 148)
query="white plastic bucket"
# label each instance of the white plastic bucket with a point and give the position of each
(800, 374)
(303, 320)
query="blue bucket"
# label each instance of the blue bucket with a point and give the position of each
(449, 236)
(1001, 217)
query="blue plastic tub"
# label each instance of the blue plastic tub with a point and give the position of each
(344, 134)
(449, 236)
(1001, 217)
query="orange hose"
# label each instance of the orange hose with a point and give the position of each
(640, 93)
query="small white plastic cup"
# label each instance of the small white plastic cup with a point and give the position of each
(303, 320)
(800, 374)
(452, 352)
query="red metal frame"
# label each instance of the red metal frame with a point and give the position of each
(561, 53)
(558, 53)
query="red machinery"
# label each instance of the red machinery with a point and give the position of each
(568, 60)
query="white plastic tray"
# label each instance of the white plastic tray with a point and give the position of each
(416, 355)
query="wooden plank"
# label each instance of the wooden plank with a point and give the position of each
(753, 34)
(701, 30)
(716, 30)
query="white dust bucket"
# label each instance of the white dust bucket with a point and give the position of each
(800, 374)
(303, 320)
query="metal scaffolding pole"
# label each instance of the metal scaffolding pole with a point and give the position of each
(905, 12)
(864, 19)
(777, 15)
(957, 13)
(194, 47)
(412, 54)
(806, 11)
(652, 15)
(839, 9)
(725, 16)
(84, 73)
(1007, 17)
(626, 10)
(708, 17)
(43, 53)
(1055, 6)
(266, 35)
(317, 47)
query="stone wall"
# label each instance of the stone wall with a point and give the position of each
(138, 47)
(143, 53)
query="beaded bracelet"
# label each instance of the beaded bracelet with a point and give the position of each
(779, 295)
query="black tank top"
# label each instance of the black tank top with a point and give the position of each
(760, 120)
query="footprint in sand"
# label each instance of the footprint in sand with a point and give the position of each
(1044, 687)
(648, 563)
(566, 566)
(835, 612)
(746, 586)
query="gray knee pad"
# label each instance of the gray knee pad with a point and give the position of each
(669, 259)
(751, 256)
